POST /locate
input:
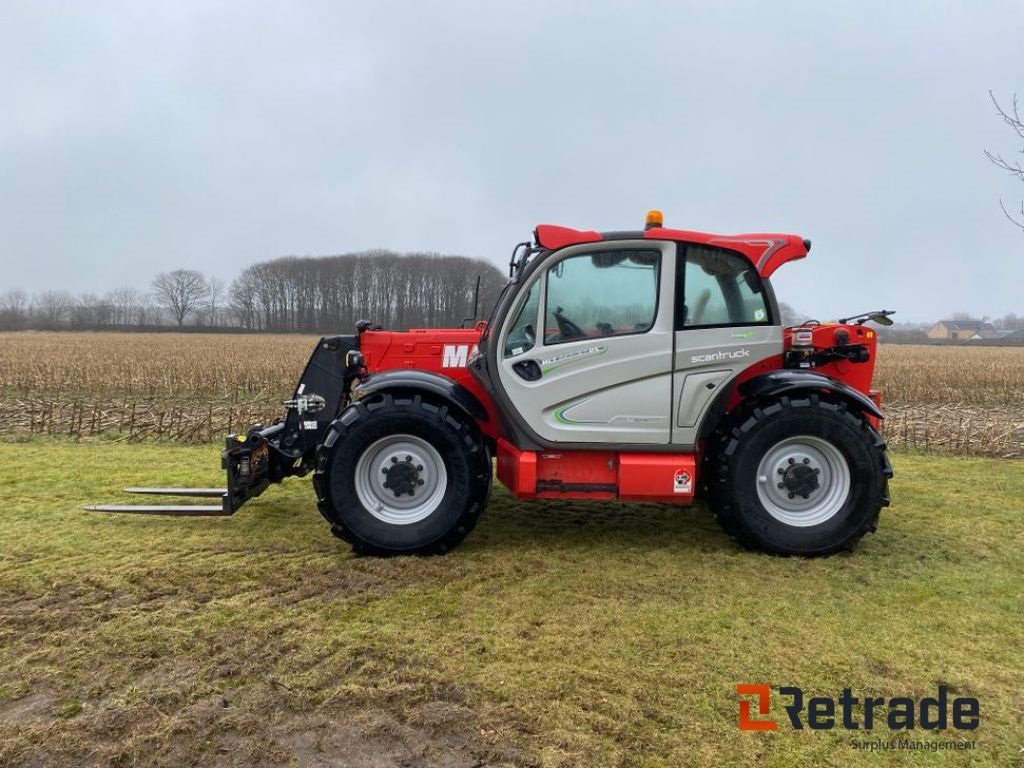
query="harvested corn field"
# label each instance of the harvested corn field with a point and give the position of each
(181, 387)
(958, 399)
(198, 387)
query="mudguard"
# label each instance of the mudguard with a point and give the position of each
(787, 381)
(410, 380)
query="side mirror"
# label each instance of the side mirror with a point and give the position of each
(753, 281)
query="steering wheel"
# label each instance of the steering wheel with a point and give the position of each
(567, 329)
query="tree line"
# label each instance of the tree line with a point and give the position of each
(307, 294)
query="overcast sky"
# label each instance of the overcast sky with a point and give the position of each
(141, 137)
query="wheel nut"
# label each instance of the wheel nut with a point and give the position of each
(782, 471)
(384, 470)
(409, 459)
(782, 485)
(394, 459)
(792, 461)
(419, 467)
(419, 482)
(807, 461)
(792, 495)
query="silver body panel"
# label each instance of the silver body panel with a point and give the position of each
(707, 359)
(650, 388)
(614, 389)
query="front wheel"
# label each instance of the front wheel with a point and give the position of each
(798, 477)
(402, 475)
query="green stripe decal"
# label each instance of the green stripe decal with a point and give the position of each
(560, 418)
(585, 354)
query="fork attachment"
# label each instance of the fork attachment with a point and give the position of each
(260, 456)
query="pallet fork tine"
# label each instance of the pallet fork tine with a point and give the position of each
(198, 492)
(178, 510)
(182, 510)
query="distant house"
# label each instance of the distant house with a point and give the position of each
(961, 330)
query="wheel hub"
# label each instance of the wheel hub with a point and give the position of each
(400, 479)
(403, 477)
(801, 479)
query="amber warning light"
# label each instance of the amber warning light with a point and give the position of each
(654, 219)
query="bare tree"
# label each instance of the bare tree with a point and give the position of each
(124, 303)
(148, 312)
(14, 306)
(213, 302)
(1013, 119)
(311, 294)
(54, 308)
(243, 300)
(180, 291)
(332, 292)
(90, 311)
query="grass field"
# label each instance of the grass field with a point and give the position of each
(198, 387)
(557, 635)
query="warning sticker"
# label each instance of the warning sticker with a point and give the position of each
(310, 425)
(683, 482)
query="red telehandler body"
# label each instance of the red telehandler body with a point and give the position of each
(647, 365)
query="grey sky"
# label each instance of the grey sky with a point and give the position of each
(140, 137)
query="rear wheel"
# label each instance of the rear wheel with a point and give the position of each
(402, 475)
(798, 477)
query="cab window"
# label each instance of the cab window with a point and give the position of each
(720, 288)
(606, 293)
(522, 333)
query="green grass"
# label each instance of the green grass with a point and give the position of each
(559, 634)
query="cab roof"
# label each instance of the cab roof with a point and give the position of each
(766, 251)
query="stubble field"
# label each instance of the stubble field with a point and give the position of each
(198, 387)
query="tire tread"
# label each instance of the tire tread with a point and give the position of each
(388, 403)
(723, 449)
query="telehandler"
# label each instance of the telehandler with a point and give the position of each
(647, 365)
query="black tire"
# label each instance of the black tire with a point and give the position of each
(456, 441)
(763, 433)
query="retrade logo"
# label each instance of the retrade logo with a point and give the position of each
(763, 694)
(823, 713)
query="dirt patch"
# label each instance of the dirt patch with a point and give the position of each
(37, 707)
(219, 730)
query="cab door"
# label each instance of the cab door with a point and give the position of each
(725, 323)
(586, 354)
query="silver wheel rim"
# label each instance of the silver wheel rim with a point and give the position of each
(403, 462)
(786, 498)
